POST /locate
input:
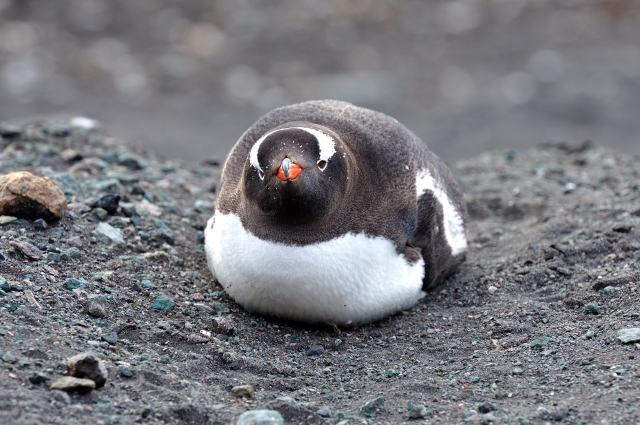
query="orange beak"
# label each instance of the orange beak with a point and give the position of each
(288, 170)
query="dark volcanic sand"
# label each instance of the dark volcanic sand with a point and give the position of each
(551, 230)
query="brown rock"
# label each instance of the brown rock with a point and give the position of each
(87, 365)
(243, 391)
(24, 195)
(69, 383)
(222, 325)
(28, 250)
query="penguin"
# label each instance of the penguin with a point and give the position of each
(331, 213)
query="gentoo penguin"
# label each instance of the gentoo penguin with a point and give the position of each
(332, 213)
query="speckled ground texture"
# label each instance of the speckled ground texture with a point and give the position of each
(506, 340)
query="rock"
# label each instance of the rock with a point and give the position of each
(417, 411)
(629, 335)
(109, 203)
(69, 383)
(87, 365)
(107, 233)
(38, 378)
(6, 219)
(197, 339)
(111, 338)
(538, 343)
(10, 131)
(315, 350)
(125, 370)
(592, 308)
(370, 407)
(40, 224)
(28, 250)
(100, 213)
(60, 396)
(203, 307)
(73, 283)
(162, 302)
(70, 155)
(517, 371)
(260, 417)
(243, 391)
(24, 195)
(589, 335)
(223, 325)
(324, 411)
(96, 309)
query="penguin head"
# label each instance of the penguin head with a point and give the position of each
(295, 173)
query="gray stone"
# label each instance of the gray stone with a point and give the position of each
(260, 417)
(111, 338)
(60, 396)
(125, 370)
(629, 335)
(107, 233)
(73, 283)
(324, 412)
(96, 309)
(315, 350)
(540, 342)
(418, 411)
(87, 365)
(203, 307)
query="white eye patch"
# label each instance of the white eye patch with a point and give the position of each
(326, 145)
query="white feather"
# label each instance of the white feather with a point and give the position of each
(453, 224)
(352, 279)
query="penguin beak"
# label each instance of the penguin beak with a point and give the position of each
(288, 170)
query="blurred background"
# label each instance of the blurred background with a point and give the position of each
(186, 78)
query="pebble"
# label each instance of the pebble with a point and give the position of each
(589, 335)
(629, 335)
(107, 233)
(40, 224)
(260, 417)
(69, 383)
(197, 297)
(608, 289)
(203, 307)
(162, 302)
(370, 406)
(111, 338)
(38, 378)
(324, 411)
(60, 396)
(223, 325)
(87, 365)
(243, 391)
(96, 309)
(540, 342)
(28, 250)
(108, 203)
(592, 308)
(100, 213)
(517, 371)
(418, 411)
(125, 370)
(7, 219)
(315, 350)
(73, 283)
(24, 195)
(197, 339)
(474, 379)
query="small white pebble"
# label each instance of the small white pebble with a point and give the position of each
(492, 289)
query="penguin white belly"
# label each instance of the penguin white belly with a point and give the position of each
(348, 280)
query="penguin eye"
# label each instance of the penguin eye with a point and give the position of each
(261, 174)
(322, 165)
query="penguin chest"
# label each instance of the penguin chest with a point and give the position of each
(352, 279)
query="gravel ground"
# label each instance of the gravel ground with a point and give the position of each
(526, 332)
